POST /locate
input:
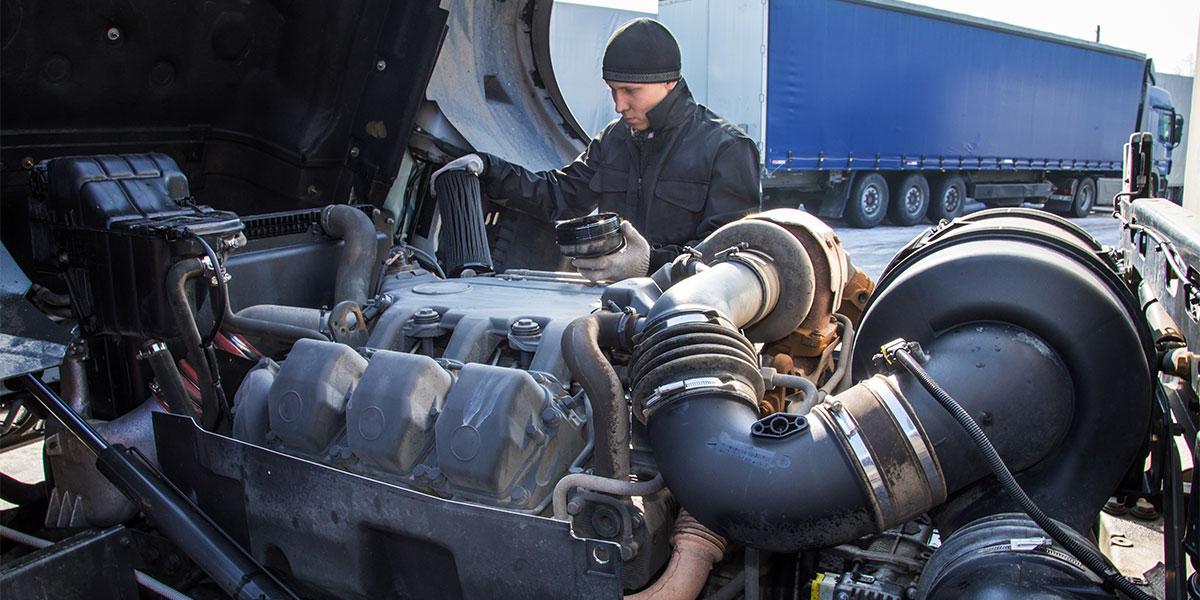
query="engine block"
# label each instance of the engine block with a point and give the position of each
(460, 390)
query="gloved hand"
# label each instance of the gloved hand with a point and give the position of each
(631, 261)
(471, 163)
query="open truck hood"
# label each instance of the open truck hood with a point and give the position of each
(494, 88)
(272, 106)
(265, 105)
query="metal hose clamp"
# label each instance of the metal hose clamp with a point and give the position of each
(885, 391)
(670, 392)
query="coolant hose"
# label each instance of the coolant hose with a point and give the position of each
(581, 342)
(21, 493)
(285, 324)
(177, 295)
(838, 380)
(166, 372)
(595, 483)
(358, 261)
(695, 549)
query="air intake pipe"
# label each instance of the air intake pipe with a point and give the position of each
(1056, 385)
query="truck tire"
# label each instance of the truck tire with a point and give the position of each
(1084, 199)
(948, 199)
(912, 200)
(868, 202)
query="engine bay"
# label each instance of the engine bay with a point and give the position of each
(721, 427)
(274, 359)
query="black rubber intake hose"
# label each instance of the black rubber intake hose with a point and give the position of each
(358, 260)
(1021, 360)
(867, 460)
(696, 348)
(581, 342)
(463, 241)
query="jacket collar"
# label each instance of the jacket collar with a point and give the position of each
(673, 109)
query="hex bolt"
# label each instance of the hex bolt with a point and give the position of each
(525, 328)
(426, 316)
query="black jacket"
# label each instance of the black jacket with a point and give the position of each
(692, 174)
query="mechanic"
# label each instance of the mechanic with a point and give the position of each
(673, 169)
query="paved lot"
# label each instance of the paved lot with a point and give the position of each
(872, 249)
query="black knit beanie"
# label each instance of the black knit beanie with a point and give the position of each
(642, 51)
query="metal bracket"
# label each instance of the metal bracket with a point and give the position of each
(779, 426)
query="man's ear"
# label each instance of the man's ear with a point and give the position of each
(671, 85)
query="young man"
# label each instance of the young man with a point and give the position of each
(671, 168)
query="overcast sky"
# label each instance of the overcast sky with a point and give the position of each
(1165, 30)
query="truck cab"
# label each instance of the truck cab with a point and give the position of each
(1161, 117)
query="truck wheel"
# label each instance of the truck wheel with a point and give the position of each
(948, 199)
(912, 200)
(868, 201)
(1085, 197)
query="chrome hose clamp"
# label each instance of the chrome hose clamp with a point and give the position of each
(665, 394)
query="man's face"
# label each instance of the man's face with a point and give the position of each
(634, 100)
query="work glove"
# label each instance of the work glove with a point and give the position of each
(631, 261)
(471, 163)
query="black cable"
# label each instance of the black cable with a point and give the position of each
(1092, 560)
(218, 315)
(426, 260)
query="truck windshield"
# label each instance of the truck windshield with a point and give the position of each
(1164, 126)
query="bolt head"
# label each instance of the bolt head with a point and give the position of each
(380, 65)
(354, 152)
(113, 34)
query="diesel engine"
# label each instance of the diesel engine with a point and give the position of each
(354, 413)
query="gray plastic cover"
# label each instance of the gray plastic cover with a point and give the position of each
(390, 416)
(308, 398)
(501, 439)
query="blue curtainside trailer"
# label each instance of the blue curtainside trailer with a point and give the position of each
(878, 108)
